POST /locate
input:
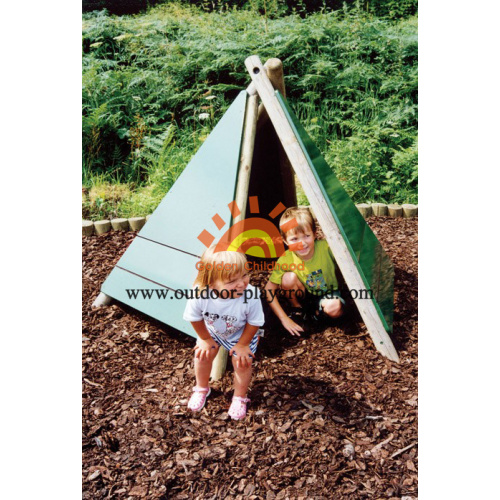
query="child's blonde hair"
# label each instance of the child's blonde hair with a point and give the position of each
(304, 218)
(221, 266)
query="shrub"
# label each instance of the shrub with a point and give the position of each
(119, 7)
(351, 78)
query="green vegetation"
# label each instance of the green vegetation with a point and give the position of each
(393, 9)
(155, 84)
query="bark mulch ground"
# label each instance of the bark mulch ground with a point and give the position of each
(329, 416)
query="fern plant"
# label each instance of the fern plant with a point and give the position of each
(351, 78)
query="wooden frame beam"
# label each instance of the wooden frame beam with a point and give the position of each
(298, 160)
(241, 198)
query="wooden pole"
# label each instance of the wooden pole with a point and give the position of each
(314, 194)
(247, 146)
(102, 300)
(219, 365)
(241, 198)
(274, 71)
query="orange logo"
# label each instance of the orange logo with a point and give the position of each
(254, 236)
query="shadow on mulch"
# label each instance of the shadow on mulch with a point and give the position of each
(405, 307)
(168, 333)
(298, 389)
(297, 392)
(277, 340)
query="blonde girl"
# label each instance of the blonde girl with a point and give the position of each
(222, 315)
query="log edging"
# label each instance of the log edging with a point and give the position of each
(393, 210)
(119, 224)
(89, 227)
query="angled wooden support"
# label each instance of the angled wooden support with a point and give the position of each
(274, 69)
(314, 194)
(241, 198)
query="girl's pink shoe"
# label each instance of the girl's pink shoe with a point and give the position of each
(238, 408)
(198, 398)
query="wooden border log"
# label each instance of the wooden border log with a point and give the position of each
(395, 210)
(87, 228)
(119, 224)
(365, 209)
(241, 198)
(379, 209)
(102, 226)
(102, 300)
(136, 223)
(312, 190)
(410, 210)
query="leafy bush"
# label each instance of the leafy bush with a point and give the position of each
(155, 84)
(119, 7)
(272, 8)
(393, 9)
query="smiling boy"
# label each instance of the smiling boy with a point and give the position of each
(312, 285)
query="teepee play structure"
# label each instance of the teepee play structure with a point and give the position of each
(243, 171)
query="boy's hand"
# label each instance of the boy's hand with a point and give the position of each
(243, 355)
(291, 326)
(204, 349)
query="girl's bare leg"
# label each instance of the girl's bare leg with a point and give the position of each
(242, 377)
(203, 368)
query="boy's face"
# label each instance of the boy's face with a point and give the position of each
(237, 283)
(302, 243)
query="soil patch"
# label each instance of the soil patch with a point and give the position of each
(329, 416)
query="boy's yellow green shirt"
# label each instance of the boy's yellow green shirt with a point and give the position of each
(318, 275)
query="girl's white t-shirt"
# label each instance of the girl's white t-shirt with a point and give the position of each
(226, 318)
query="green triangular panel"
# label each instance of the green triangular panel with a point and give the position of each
(204, 188)
(373, 263)
(164, 253)
(166, 269)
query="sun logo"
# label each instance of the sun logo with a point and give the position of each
(254, 236)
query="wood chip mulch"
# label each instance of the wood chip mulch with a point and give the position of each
(329, 417)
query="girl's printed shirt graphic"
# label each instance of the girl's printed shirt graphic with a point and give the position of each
(224, 325)
(316, 281)
(211, 318)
